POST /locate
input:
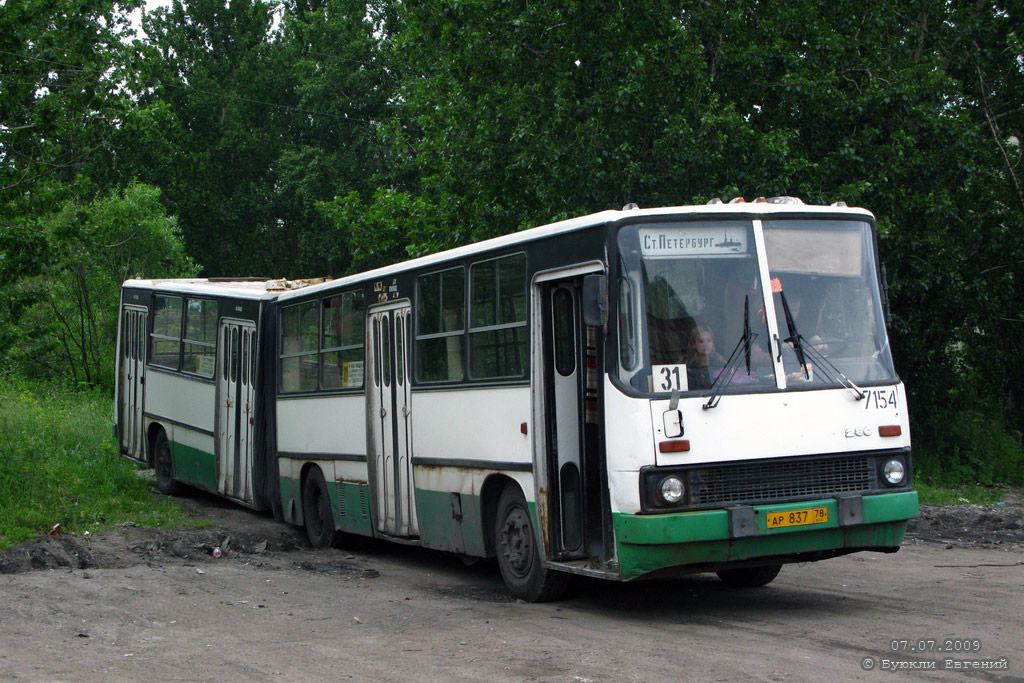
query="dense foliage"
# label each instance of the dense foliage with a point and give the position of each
(314, 137)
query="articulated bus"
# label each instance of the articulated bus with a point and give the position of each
(645, 392)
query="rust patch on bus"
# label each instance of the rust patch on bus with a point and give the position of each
(542, 516)
(343, 480)
(284, 284)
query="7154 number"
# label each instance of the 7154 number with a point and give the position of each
(879, 398)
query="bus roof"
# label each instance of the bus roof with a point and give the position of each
(256, 288)
(239, 288)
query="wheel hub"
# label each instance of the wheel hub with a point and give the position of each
(163, 462)
(517, 542)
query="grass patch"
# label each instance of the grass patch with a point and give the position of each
(59, 465)
(973, 494)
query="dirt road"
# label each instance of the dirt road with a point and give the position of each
(156, 605)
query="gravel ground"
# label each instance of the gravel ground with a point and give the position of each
(151, 603)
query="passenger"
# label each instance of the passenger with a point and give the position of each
(703, 363)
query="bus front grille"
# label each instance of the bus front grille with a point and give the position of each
(766, 481)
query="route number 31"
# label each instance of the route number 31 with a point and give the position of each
(669, 377)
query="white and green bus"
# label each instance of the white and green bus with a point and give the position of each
(631, 393)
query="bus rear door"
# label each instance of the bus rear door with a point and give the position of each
(134, 335)
(236, 403)
(390, 420)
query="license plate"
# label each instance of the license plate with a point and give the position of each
(797, 517)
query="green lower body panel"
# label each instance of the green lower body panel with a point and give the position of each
(350, 504)
(450, 521)
(652, 542)
(291, 499)
(194, 466)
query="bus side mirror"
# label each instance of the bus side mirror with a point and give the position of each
(594, 301)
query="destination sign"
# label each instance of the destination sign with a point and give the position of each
(683, 241)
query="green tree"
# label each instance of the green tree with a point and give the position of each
(343, 88)
(220, 97)
(69, 330)
(60, 96)
(514, 113)
(61, 102)
(247, 126)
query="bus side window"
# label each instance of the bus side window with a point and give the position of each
(399, 350)
(200, 343)
(497, 318)
(441, 326)
(376, 353)
(234, 354)
(166, 331)
(628, 356)
(300, 332)
(565, 339)
(385, 342)
(341, 348)
(245, 355)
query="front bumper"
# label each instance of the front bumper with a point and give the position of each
(711, 538)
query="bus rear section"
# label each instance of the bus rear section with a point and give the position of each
(189, 380)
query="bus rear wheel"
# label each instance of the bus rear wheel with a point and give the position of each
(749, 577)
(316, 510)
(163, 464)
(519, 558)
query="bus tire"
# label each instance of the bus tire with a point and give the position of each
(519, 559)
(163, 465)
(316, 510)
(749, 577)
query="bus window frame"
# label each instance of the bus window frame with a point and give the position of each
(618, 272)
(498, 327)
(195, 342)
(360, 309)
(321, 350)
(315, 352)
(153, 336)
(460, 333)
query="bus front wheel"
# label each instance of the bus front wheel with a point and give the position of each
(519, 558)
(163, 464)
(749, 577)
(316, 510)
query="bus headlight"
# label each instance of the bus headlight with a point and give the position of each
(894, 472)
(671, 489)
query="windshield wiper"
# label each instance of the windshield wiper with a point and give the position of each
(833, 374)
(724, 377)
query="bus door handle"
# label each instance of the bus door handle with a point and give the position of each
(383, 412)
(405, 411)
(778, 345)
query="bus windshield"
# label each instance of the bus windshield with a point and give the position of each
(689, 291)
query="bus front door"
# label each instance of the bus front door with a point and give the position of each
(390, 421)
(571, 400)
(236, 403)
(134, 334)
